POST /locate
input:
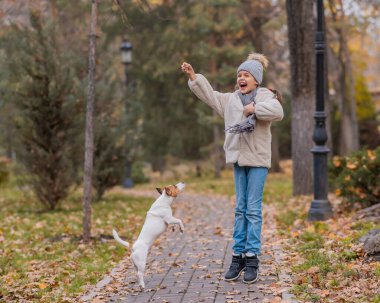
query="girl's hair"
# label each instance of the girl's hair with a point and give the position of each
(277, 94)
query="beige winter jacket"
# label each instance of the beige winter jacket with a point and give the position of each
(246, 149)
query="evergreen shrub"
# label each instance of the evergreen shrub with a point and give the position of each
(356, 178)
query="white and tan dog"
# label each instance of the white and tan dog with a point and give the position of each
(159, 216)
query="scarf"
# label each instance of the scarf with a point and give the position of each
(248, 124)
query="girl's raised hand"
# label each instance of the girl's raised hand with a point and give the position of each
(188, 69)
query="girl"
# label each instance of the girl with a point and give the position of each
(249, 151)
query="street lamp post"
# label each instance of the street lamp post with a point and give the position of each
(126, 59)
(320, 208)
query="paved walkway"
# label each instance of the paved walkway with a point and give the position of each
(189, 267)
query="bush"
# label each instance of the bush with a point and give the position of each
(45, 92)
(4, 170)
(138, 175)
(356, 177)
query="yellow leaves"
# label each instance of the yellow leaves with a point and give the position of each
(371, 155)
(313, 270)
(310, 228)
(156, 2)
(295, 234)
(10, 277)
(40, 224)
(337, 162)
(276, 300)
(338, 192)
(218, 231)
(198, 266)
(358, 191)
(99, 300)
(347, 276)
(233, 292)
(42, 285)
(352, 165)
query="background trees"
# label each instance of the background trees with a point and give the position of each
(45, 109)
(156, 119)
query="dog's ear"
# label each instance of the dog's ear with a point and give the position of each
(159, 190)
(168, 190)
(171, 191)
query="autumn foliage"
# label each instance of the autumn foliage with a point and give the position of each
(356, 178)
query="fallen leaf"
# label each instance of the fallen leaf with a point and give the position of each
(42, 285)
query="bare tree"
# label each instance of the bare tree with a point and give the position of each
(89, 139)
(302, 67)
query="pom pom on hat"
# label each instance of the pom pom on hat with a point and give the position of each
(259, 57)
(255, 65)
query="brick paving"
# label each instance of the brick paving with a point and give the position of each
(189, 267)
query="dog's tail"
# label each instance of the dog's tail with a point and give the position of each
(117, 238)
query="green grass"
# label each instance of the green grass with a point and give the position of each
(334, 283)
(377, 270)
(347, 255)
(315, 258)
(299, 289)
(43, 258)
(376, 299)
(278, 189)
(42, 251)
(312, 241)
(349, 273)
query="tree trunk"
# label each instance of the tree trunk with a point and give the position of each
(9, 136)
(276, 168)
(328, 106)
(89, 140)
(215, 129)
(302, 65)
(349, 128)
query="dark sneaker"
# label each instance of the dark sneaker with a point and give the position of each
(236, 267)
(251, 270)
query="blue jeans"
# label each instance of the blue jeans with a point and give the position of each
(249, 186)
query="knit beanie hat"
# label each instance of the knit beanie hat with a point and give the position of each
(255, 65)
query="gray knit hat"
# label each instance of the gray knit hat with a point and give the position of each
(254, 67)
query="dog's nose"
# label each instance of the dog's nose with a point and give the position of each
(181, 185)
